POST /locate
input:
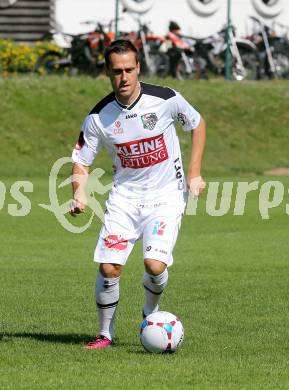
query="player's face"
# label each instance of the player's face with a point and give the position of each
(123, 72)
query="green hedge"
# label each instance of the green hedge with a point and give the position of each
(21, 58)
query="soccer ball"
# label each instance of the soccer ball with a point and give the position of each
(161, 332)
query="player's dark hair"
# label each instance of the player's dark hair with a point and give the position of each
(120, 46)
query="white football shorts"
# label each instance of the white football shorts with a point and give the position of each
(127, 220)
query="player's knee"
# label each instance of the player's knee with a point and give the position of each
(110, 270)
(154, 267)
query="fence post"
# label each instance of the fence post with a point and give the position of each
(116, 17)
(228, 64)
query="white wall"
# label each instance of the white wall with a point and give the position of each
(70, 14)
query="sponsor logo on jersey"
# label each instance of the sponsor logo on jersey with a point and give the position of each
(130, 116)
(159, 228)
(142, 153)
(115, 242)
(80, 142)
(149, 120)
(118, 129)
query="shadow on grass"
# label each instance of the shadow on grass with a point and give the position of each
(68, 338)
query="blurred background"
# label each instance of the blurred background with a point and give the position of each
(199, 18)
(185, 39)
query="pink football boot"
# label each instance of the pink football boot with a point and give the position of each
(99, 342)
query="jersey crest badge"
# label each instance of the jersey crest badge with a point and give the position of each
(149, 120)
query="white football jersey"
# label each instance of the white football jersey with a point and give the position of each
(141, 139)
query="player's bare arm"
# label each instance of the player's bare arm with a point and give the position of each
(195, 182)
(79, 180)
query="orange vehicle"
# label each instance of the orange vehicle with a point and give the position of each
(152, 49)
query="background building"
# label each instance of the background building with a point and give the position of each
(199, 18)
(25, 20)
(28, 20)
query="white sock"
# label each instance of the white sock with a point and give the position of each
(107, 296)
(154, 287)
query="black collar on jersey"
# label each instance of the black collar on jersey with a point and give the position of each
(132, 105)
(145, 89)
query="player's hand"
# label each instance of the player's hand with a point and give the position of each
(196, 186)
(76, 207)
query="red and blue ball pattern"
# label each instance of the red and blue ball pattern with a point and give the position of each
(161, 332)
(167, 326)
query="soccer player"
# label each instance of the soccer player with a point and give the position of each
(135, 123)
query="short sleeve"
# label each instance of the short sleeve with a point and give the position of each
(184, 113)
(89, 143)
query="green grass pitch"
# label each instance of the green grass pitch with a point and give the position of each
(229, 284)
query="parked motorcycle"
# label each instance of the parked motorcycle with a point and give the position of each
(273, 51)
(244, 55)
(184, 63)
(85, 54)
(152, 50)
